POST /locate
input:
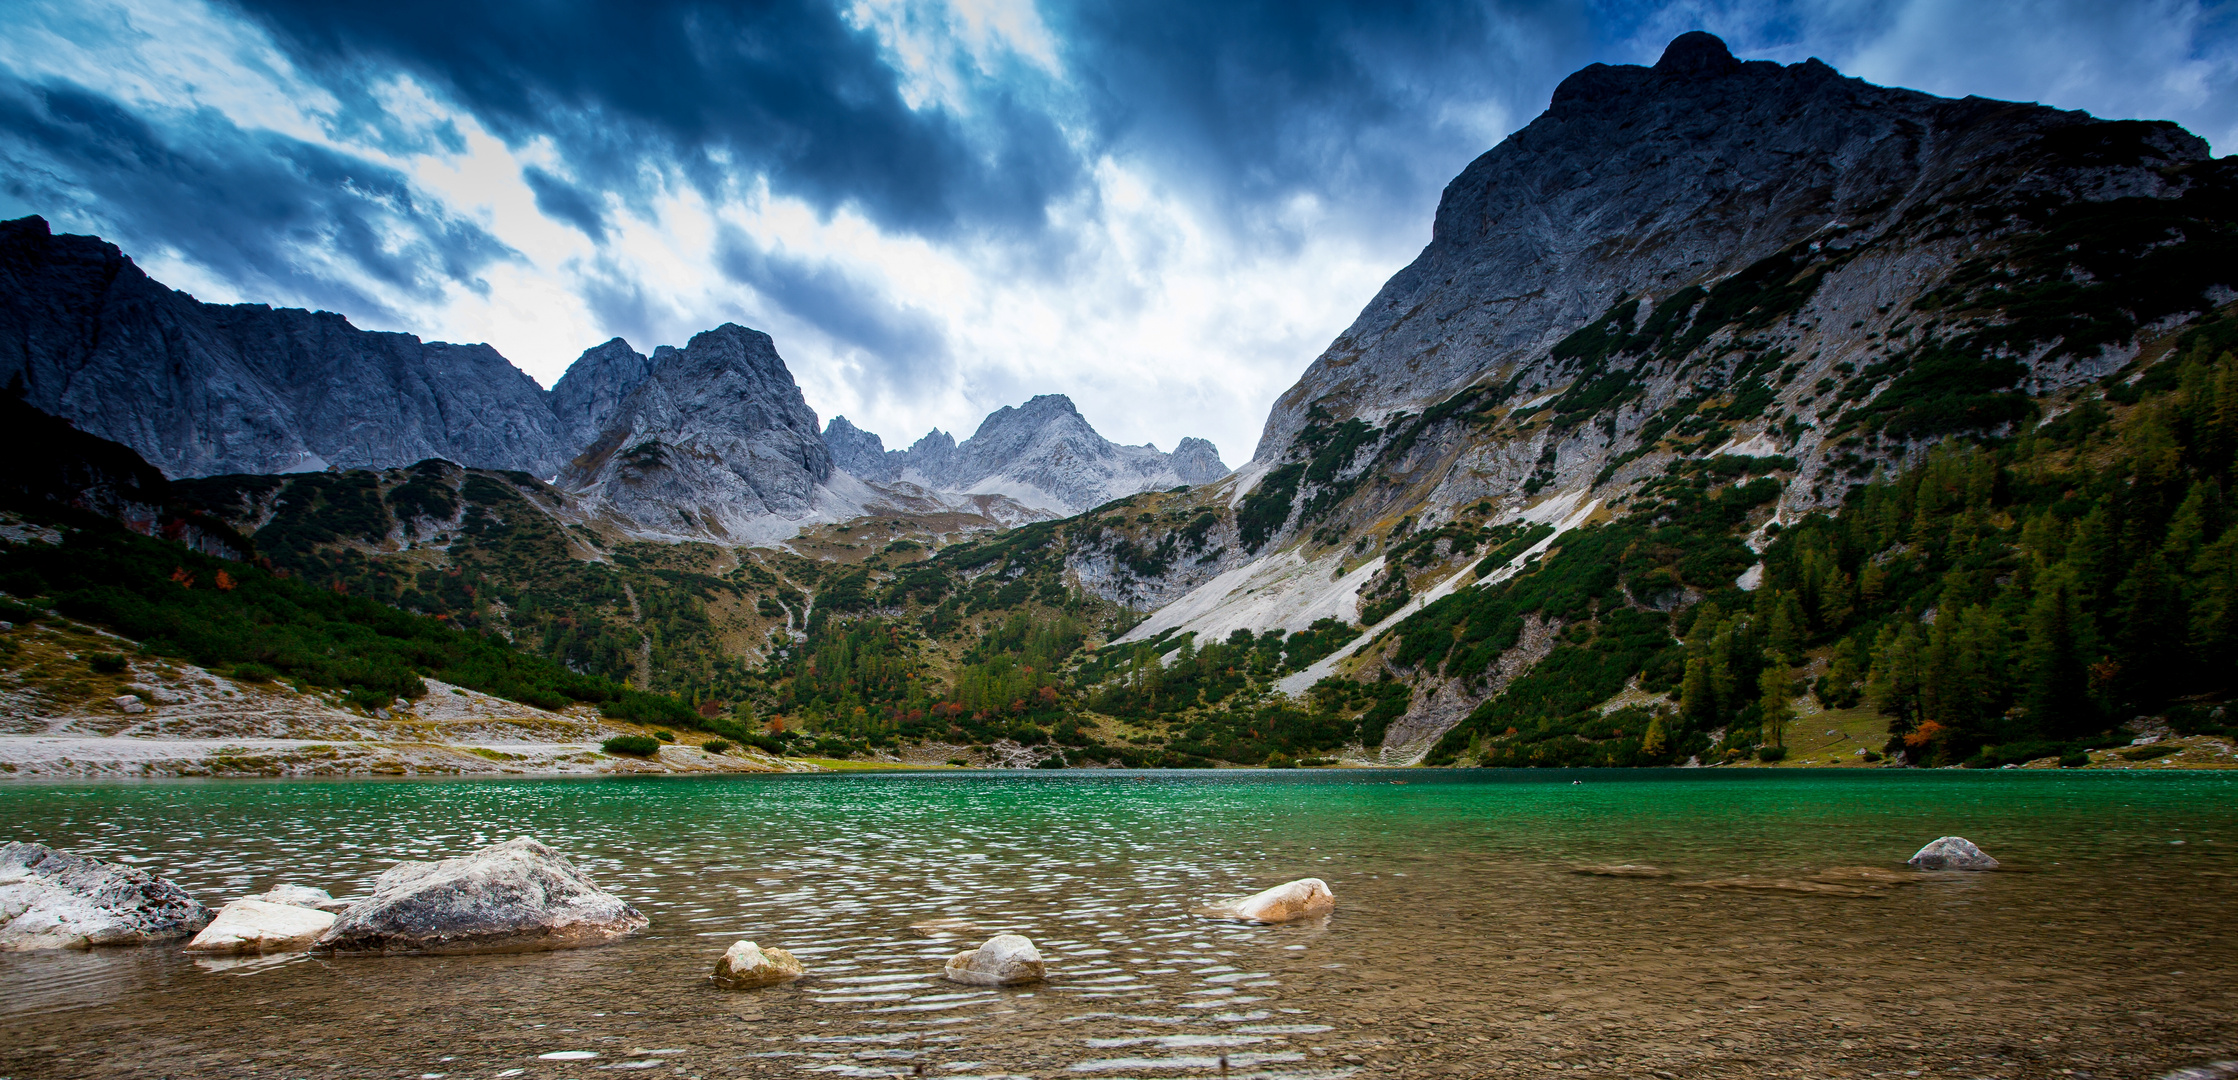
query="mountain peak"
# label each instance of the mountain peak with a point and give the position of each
(1696, 54)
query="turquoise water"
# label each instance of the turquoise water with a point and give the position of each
(1462, 942)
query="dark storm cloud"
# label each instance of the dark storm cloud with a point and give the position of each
(785, 89)
(559, 199)
(906, 349)
(1241, 103)
(240, 203)
(1366, 101)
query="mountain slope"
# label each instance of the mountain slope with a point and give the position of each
(1708, 265)
(208, 388)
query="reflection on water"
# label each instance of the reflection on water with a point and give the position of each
(1462, 945)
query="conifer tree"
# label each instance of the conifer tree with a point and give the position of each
(1778, 707)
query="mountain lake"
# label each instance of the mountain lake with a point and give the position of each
(1728, 932)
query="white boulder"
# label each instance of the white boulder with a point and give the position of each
(55, 900)
(301, 896)
(1287, 902)
(1004, 960)
(129, 704)
(518, 896)
(257, 926)
(746, 965)
(1951, 853)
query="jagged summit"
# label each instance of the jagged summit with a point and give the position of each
(1043, 454)
(717, 440)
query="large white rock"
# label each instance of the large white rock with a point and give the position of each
(518, 896)
(246, 926)
(302, 896)
(55, 900)
(1005, 960)
(1287, 902)
(1951, 853)
(746, 965)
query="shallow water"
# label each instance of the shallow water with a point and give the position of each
(1462, 945)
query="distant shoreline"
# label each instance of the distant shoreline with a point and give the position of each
(83, 757)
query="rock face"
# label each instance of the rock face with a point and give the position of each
(1043, 454)
(592, 390)
(1951, 853)
(717, 440)
(55, 900)
(258, 926)
(1004, 960)
(1639, 181)
(200, 389)
(862, 453)
(746, 965)
(1287, 902)
(519, 896)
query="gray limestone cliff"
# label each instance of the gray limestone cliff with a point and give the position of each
(717, 441)
(593, 388)
(1640, 182)
(200, 389)
(1043, 454)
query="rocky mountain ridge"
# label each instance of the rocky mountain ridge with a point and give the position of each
(208, 388)
(710, 441)
(1703, 261)
(1042, 454)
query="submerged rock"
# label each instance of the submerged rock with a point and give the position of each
(55, 900)
(302, 896)
(1870, 877)
(1752, 883)
(1287, 902)
(1951, 853)
(746, 965)
(1005, 960)
(518, 896)
(947, 926)
(260, 926)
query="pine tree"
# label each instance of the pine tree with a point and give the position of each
(1785, 637)
(1779, 708)
(2055, 679)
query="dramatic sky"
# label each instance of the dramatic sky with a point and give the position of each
(1163, 208)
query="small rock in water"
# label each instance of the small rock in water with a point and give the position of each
(518, 896)
(1005, 960)
(301, 896)
(1622, 870)
(257, 926)
(55, 900)
(1951, 853)
(747, 965)
(1287, 902)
